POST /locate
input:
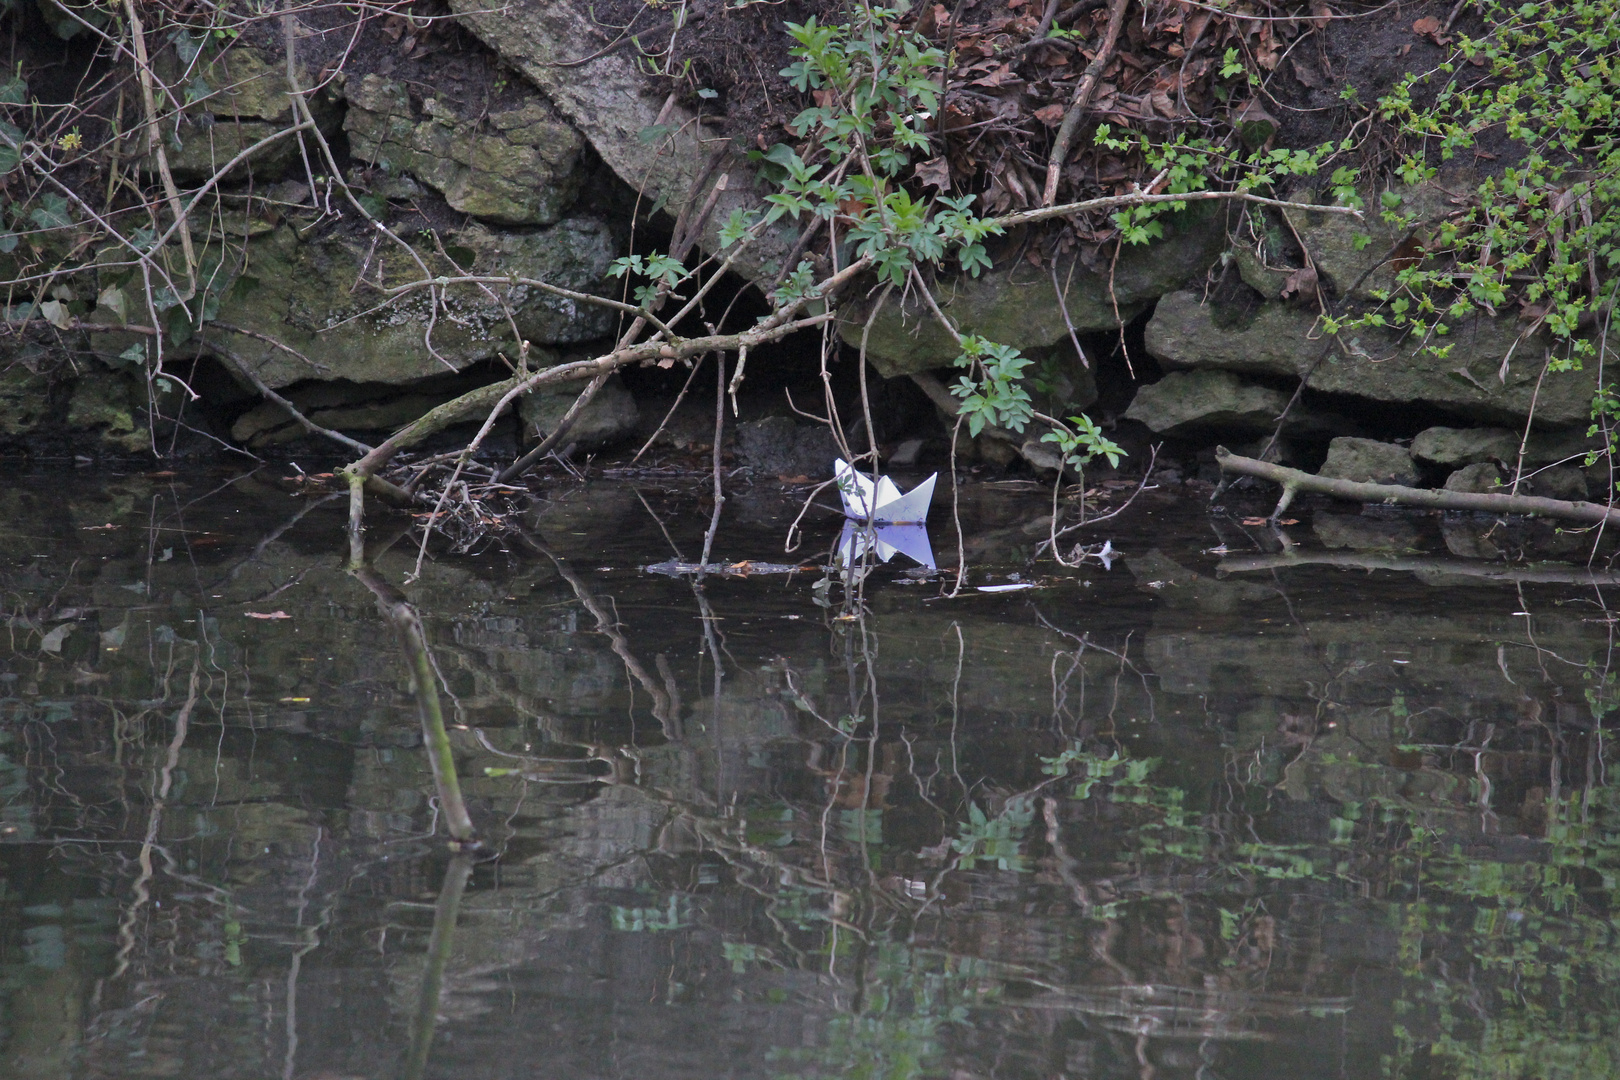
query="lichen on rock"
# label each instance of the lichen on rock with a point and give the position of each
(519, 166)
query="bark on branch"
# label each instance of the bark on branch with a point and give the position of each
(1294, 481)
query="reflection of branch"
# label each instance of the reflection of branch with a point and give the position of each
(440, 942)
(610, 628)
(1564, 575)
(408, 626)
(126, 929)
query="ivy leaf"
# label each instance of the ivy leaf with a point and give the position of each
(56, 313)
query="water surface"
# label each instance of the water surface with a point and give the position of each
(1146, 821)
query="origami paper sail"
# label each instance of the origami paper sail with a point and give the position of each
(882, 504)
(882, 519)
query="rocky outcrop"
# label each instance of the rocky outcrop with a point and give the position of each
(610, 417)
(518, 166)
(235, 99)
(652, 141)
(308, 294)
(1017, 304)
(1273, 338)
(1367, 461)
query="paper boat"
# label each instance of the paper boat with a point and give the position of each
(881, 519)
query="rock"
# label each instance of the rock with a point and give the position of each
(1469, 538)
(1363, 532)
(1558, 482)
(1017, 305)
(777, 446)
(1043, 457)
(247, 100)
(25, 399)
(1332, 239)
(649, 138)
(112, 406)
(1184, 402)
(1481, 478)
(515, 167)
(339, 406)
(1366, 461)
(610, 417)
(905, 455)
(1277, 339)
(302, 293)
(1464, 446)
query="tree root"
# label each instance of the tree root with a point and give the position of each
(1294, 481)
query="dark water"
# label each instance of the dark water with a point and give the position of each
(1152, 821)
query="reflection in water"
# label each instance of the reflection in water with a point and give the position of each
(1146, 822)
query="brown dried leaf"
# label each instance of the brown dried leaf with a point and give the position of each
(1426, 26)
(1050, 115)
(1306, 74)
(1301, 282)
(1322, 13)
(935, 172)
(1001, 76)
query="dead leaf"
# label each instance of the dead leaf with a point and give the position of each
(1001, 76)
(1305, 73)
(1051, 115)
(800, 479)
(935, 172)
(1429, 27)
(1323, 14)
(1301, 282)
(1193, 27)
(278, 614)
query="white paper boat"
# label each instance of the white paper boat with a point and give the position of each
(883, 520)
(881, 503)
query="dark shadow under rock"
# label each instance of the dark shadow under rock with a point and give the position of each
(778, 447)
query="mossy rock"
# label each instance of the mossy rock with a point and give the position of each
(1017, 304)
(304, 294)
(516, 167)
(1185, 333)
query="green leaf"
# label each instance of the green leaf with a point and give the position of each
(14, 91)
(56, 313)
(112, 298)
(177, 325)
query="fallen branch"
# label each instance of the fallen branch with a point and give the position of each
(1082, 97)
(240, 366)
(1551, 575)
(1294, 481)
(1143, 198)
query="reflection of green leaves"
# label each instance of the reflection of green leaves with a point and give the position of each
(636, 920)
(996, 839)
